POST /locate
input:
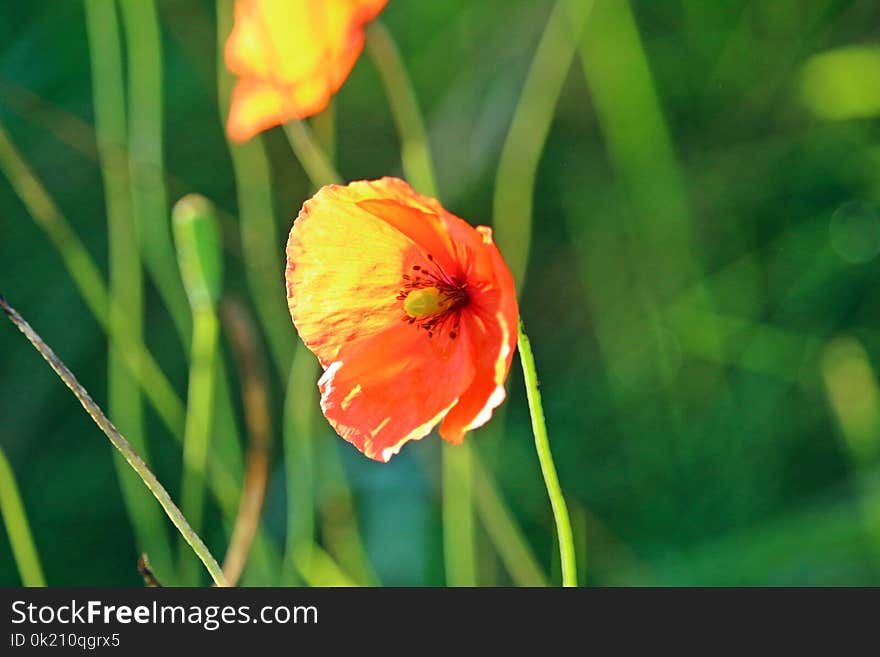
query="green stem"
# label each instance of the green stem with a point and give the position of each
(299, 425)
(458, 516)
(150, 203)
(126, 278)
(415, 148)
(146, 164)
(518, 164)
(46, 215)
(120, 443)
(261, 250)
(323, 127)
(17, 527)
(548, 469)
(200, 261)
(196, 440)
(308, 151)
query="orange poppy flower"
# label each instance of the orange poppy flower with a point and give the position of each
(291, 56)
(411, 311)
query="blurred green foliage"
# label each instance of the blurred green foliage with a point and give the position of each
(701, 292)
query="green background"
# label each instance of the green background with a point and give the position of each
(701, 294)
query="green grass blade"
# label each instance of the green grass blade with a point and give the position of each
(415, 148)
(126, 280)
(518, 166)
(459, 538)
(197, 239)
(24, 551)
(146, 162)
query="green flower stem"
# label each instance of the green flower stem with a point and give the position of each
(261, 251)
(308, 151)
(126, 277)
(199, 411)
(17, 527)
(120, 443)
(148, 185)
(518, 165)
(323, 125)
(299, 426)
(147, 169)
(415, 148)
(199, 257)
(459, 537)
(548, 469)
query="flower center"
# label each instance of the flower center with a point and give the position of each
(426, 302)
(432, 300)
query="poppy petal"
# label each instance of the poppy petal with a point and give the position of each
(378, 402)
(425, 229)
(492, 329)
(245, 53)
(255, 107)
(344, 270)
(303, 49)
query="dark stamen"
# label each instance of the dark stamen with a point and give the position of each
(453, 293)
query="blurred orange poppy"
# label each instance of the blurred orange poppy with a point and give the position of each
(411, 311)
(291, 56)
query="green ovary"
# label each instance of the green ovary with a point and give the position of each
(426, 302)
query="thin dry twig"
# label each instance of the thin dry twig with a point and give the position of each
(252, 372)
(119, 442)
(146, 572)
